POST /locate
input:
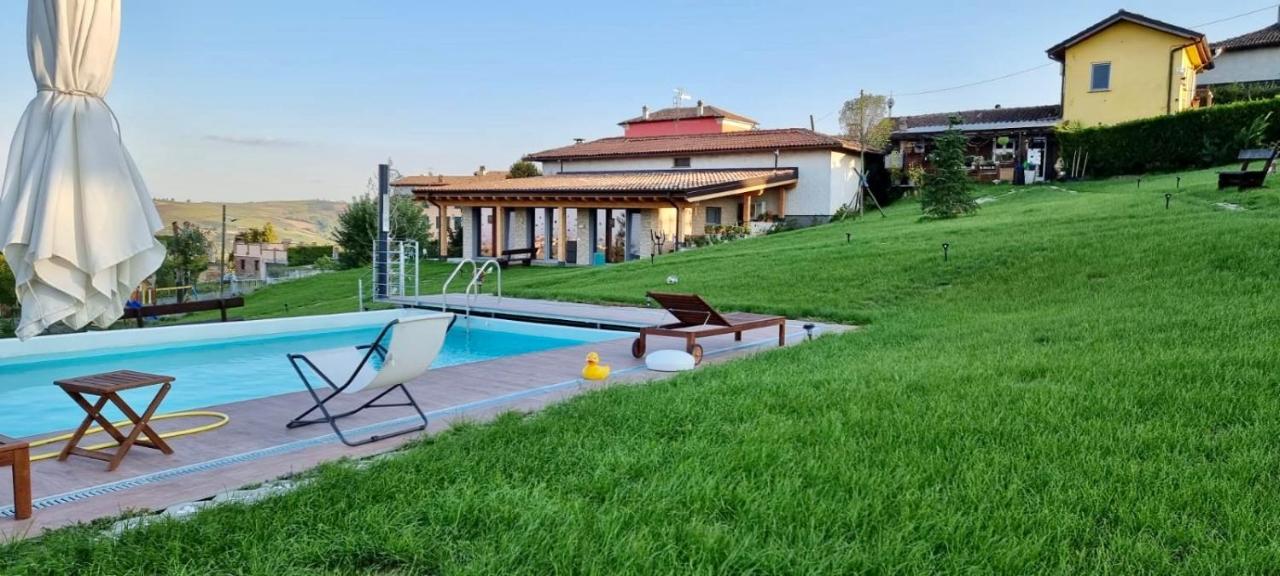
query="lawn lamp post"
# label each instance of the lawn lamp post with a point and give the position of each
(222, 255)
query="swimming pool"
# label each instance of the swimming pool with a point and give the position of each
(221, 363)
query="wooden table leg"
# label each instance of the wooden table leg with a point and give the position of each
(140, 426)
(91, 414)
(22, 483)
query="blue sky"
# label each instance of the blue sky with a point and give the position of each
(235, 100)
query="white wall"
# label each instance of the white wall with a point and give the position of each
(826, 179)
(1243, 66)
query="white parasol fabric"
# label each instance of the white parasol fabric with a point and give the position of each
(77, 225)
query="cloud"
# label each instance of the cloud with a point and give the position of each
(255, 141)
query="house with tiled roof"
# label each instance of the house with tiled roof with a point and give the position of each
(1124, 67)
(673, 175)
(1252, 58)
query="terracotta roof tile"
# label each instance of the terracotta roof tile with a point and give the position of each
(624, 181)
(1264, 38)
(693, 144)
(427, 180)
(682, 113)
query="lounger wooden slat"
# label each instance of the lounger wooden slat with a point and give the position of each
(695, 318)
(17, 455)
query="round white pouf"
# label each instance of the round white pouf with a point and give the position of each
(669, 361)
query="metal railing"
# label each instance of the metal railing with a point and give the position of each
(403, 268)
(472, 290)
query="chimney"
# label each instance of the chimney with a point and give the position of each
(644, 112)
(700, 108)
(482, 171)
(579, 140)
(997, 106)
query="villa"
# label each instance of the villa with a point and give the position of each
(1251, 60)
(672, 175)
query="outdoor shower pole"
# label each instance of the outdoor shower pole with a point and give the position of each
(222, 255)
(384, 231)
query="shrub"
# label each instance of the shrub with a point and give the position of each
(1193, 139)
(308, 255)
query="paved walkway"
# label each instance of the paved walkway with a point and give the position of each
(255, 446)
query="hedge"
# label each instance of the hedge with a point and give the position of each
(306, 255)
(1193, 139)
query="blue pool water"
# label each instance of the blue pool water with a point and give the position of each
(221, 371)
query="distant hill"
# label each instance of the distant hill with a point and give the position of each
(302, 221)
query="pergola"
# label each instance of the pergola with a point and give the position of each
(681, 190)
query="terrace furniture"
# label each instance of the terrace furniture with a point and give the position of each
(1244, 177)
(17, 455)
(107, 387)
(402, 351)
(519, 255)
(220, 304)
(697, 319)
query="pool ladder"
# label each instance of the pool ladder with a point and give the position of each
(472, 292)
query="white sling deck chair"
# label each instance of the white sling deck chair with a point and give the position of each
(403, 350)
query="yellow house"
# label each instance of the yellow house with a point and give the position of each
(1128, 67)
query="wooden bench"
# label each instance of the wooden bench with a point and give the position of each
(517, 255)
(1245, 178)
(221, 305)
(17, 455)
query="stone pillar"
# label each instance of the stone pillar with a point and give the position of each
(583, 227)
(548, 232)
(520, 231)
(442, 229)
(471, 223)
(562, 234)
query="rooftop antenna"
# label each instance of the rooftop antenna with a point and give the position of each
(680, 96)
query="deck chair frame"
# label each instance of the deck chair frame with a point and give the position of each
(333, 389)
(695, 319)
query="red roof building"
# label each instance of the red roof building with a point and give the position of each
(674, 175)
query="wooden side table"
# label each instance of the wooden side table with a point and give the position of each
(107, 387)
(17, 455)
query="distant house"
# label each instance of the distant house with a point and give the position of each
(1252, 58)
(256, 259)
(1001, 140)
(1127, 67)
(678, 173)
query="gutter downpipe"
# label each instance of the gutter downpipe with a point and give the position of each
(1168, 97)
(679, 228)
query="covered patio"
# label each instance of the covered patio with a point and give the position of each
(584, 218)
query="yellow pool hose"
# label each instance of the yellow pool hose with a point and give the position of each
(222, 420)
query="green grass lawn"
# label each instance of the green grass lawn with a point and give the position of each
(1087, 385)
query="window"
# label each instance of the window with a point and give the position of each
(682, 162)
(1100, 77)
(713, 215)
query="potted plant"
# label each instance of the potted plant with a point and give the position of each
(1028, 172)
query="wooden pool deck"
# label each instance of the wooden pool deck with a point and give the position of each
(256, 447)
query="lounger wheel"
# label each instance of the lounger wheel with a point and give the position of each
(637, 348)
(696, 352)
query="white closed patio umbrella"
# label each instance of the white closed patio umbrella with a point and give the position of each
(76, 222)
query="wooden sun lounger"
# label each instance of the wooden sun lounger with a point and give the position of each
(696, 319)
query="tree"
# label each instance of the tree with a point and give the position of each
(265, 235)
(947, 188)
(357, 227)
(187, 256)
(866, 120)
(523, 169)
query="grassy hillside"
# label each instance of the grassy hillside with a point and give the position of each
(1087, 385)
(307, 221)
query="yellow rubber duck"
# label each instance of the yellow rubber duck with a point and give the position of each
(594, 370)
